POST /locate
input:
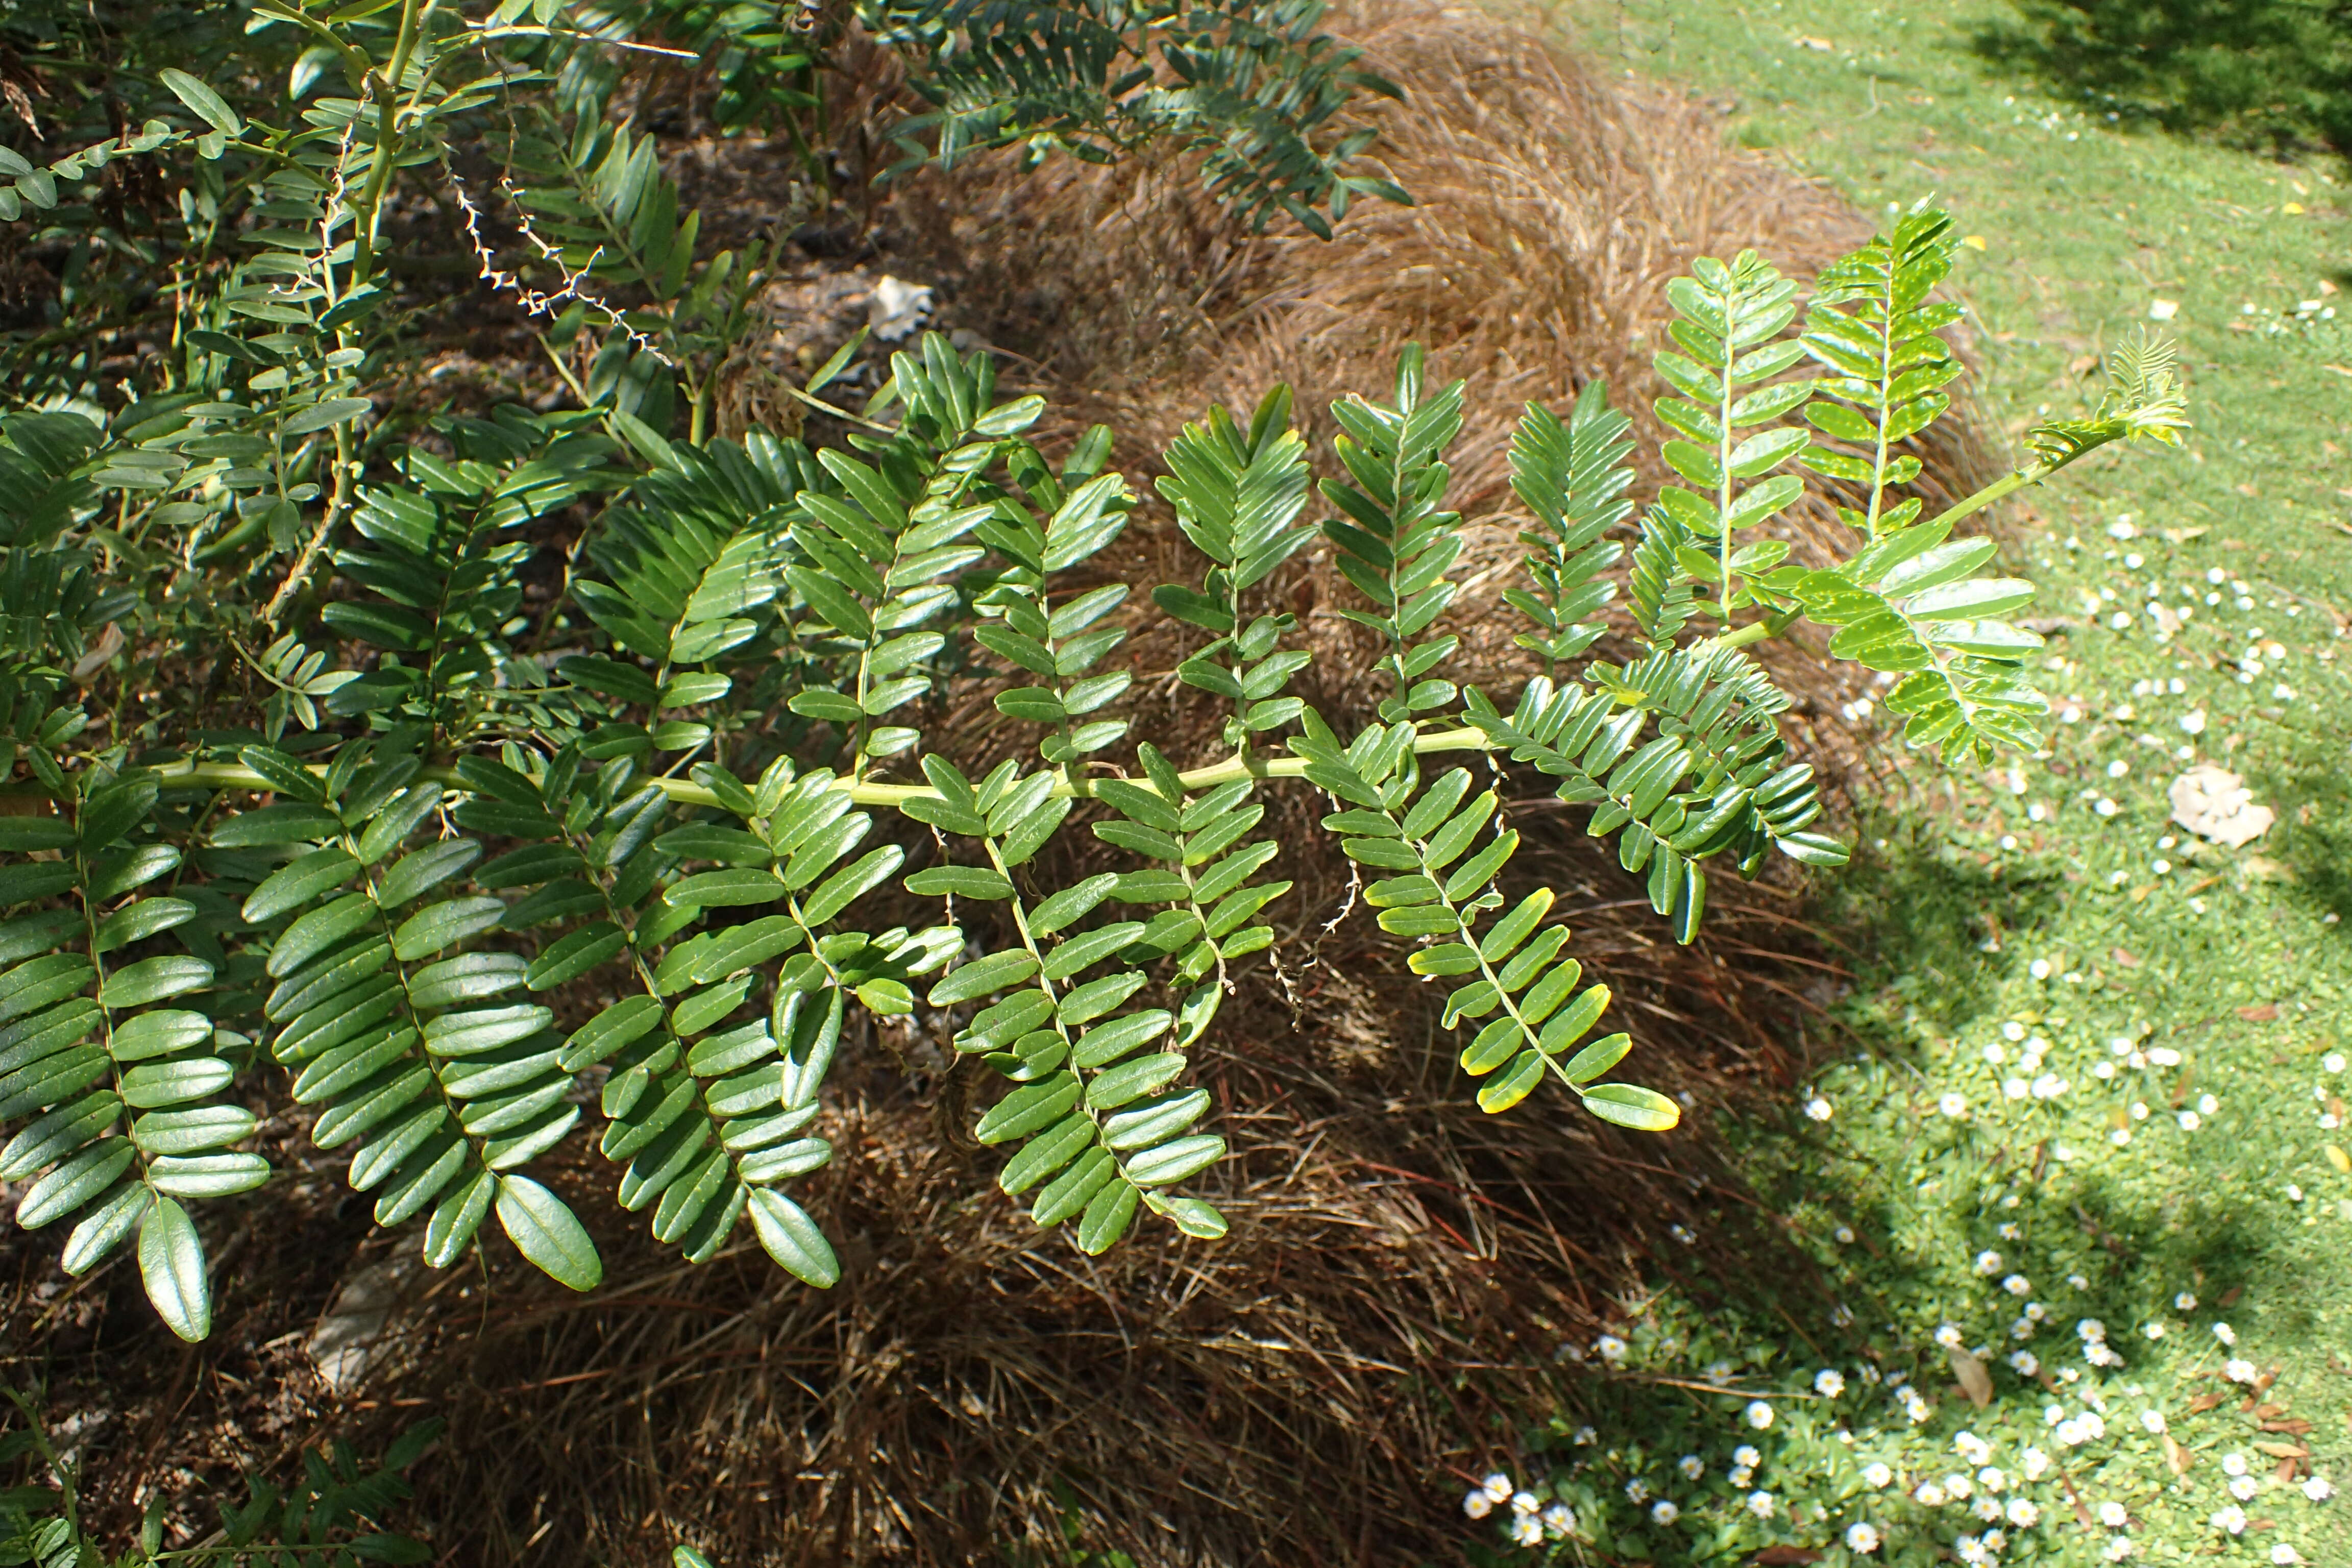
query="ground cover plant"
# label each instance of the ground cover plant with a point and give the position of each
(2063, 1193)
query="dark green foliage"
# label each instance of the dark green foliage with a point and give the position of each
(2268, 73)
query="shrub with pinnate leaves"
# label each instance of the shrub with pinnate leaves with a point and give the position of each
(456, 874)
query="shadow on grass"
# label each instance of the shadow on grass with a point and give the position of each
(2314, 840)
(2274, 74)
(1925, 926)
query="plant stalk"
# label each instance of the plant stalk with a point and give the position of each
(231, 775)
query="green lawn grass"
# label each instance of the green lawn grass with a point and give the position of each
(2049, 911)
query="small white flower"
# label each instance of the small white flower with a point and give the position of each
(2190, 1121)
(1819, 1109)
(2022, 1513)
(2036, 1311)
(1861, 1538)
(1478, 1505)
(2112, 1514)
(1691, 1466)
(2119, 1548)
(1759, 1415)
(2333, 1061)
(2120, 1137)
(2038, 969)
(2009, 1230)
(1987, 1508)
(1612, 1349)
(2231, 1519)
(1745, 1456)
(1828, 1382)
(1970, 1447)
(2012, 1031)
(1845, 1234)
(2036, 1461)
(1584, 1436)
(1973, 1552)
(2153, 1331)
(1740, 1474)
(2193, 721)
(2244, 1487)
(2186, 1301)
(2164, 1056)
(2153, 1421)
(2208, 1104)
(1958, 1487)
(1761, 1504)
(1953, 1105)
(1949, 1336)
(1498, 1487)
(2317, 1489)
(2285, 1555)
(1637, 1491)
(1557, 1521)
(2070, 1434)
(1525, 1502)
(2233, 1464)
(1526, 1531)
(1929, 1495)
(2239, 1370)
(1664, 1512)
(1992, 1481)
(1878, 1475)
(2091, 1329)
(2016, 1089)
(2026, 1362)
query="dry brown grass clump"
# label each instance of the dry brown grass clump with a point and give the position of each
(1309, 1389)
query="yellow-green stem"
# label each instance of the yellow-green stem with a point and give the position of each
(230, 775)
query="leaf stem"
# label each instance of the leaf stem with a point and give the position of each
(191, 774)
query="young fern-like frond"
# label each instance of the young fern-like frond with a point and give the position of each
(1057, 645)
(1237, 495)
(1573, 475)
(1658, 590)
(1873, 327)
(1397, 540)
(2143, 401)
(1728, 319)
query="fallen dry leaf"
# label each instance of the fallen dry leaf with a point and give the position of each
(2340, 1159)
(2294, 1426)
(1974, 1379)
(2215, 804)
(2126, 957)
(2175, 1455)
(2263, 1014)
(2204, 1402)
(2283, 1450)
